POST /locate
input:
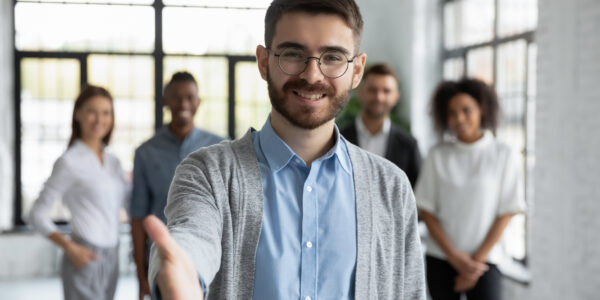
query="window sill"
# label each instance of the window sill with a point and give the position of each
(516, 271)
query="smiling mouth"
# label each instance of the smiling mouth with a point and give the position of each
(310, 96)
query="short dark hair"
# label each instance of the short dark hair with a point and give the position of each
(380, 69)
(347, 9)
(181, 76)
(485, 96)
(88, 92)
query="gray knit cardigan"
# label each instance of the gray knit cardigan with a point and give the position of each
(214, 212)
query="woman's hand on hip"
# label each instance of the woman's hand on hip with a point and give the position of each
(78, 255)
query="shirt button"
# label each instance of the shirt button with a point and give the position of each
(309, 188)
(307, 298)
(309, 244)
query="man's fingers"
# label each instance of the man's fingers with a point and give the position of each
(158, 232)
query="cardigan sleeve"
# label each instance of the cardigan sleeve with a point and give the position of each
(414, 268)
(194, 221)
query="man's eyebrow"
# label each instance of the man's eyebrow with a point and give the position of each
(290, 45)
(321, 49)
(334, 48)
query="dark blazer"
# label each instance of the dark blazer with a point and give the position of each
(402, 150)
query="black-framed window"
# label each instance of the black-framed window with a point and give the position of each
(132, 47)
(493, 40)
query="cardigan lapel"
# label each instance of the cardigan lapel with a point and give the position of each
(364, 223)
(251, 195)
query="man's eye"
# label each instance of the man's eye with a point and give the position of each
(291, 54)
(332, 58)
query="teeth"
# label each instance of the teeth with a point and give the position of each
(311, 96)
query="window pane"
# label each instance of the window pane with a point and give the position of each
(516, 16)
(80, 27)
(252, 105)
(511, 83)
(221, 3)
(212, 30)
(130, 79)
(480, 64)
(212, 76)
(530, 118)
(454, 68)
(468, 22)
(49, 89)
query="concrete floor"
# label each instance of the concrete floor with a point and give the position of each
(51, 289)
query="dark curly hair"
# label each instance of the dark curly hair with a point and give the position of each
(485, 96)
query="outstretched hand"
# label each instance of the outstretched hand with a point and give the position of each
(177, 278)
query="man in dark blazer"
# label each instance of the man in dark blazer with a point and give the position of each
(373, 130)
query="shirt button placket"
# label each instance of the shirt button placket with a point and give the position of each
(310, 227)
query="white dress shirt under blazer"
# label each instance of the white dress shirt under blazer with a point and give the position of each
(94, 193)
(374, 143)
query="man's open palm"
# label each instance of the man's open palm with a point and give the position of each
(177, 278)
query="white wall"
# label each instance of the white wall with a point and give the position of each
(565, 243)
(406, 35)
(6, 115)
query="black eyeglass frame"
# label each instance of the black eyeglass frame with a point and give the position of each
(348, 62)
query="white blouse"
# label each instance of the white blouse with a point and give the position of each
(468, 186)
(93, 192)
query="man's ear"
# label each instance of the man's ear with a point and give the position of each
(359, 68)
(262, 59)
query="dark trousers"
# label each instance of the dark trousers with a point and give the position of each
(440, 281)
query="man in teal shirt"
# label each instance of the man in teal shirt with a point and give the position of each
(156, 159)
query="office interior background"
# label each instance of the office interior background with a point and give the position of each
(541, 56)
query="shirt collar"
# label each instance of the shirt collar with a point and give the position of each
(165, 132)
(278, 154)
(82, 146)
(485, 139)
(362, 129)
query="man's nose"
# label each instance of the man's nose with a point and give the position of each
(312, 73)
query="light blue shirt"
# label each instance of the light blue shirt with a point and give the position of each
(154, 166)
(307, 245)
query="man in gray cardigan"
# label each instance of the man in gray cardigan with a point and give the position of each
(292, 211)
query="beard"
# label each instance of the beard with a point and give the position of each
(303, 116)
(375, 114)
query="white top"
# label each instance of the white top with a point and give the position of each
(468, 186)
(376, 143)
(93, 192)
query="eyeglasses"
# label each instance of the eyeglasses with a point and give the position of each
(332, 63)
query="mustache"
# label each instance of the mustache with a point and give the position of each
(301, 84)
